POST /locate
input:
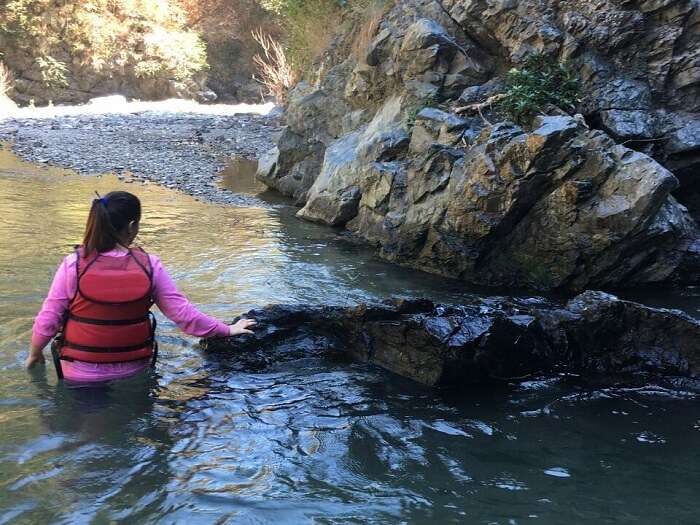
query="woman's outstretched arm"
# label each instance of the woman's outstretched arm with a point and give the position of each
(176, 307)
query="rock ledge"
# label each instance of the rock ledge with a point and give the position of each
(596, 335)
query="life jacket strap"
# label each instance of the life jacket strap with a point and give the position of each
(110, 349)
(108, 322)
(154, 325)
(56, 354)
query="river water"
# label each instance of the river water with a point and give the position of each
(311, 441)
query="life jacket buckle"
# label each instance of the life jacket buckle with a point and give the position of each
(56, 345)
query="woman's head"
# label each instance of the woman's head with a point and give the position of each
(113, 219)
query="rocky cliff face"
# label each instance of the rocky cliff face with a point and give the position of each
(595, 335)
(84, 83)
(382, 145)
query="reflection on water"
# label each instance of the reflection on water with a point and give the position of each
(311, 441)
(239, 176)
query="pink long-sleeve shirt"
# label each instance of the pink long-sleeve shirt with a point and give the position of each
(167, 297)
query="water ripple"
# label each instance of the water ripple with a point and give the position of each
(306, 441)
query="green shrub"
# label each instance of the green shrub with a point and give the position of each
(179, 54)
(540, 82)
(309, 26)
(53, 72)
(130, 37)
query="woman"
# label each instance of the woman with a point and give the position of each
(100, 299)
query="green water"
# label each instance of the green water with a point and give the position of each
(311, 441)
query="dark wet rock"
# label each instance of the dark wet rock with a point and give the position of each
(596, 335)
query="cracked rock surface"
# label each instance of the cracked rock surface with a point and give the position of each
(602, 338)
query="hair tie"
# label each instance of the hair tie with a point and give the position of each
(100, 200)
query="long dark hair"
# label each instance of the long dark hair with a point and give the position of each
(109, 215)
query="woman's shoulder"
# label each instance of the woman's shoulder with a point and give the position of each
(71, 259)
(152, 258)
(146, 258)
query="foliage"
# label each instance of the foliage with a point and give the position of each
(222, 20)
(53, 72)
(179, 54)
(310, 25)
(127, 37)
(274, 69)
(540, 82)
(6, 80)
(226, 26)
(176, 39)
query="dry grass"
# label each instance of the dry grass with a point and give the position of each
(310, 27)
(6, 80)
(371, 18)
(275, 71)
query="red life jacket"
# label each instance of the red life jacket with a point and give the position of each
(108, 319)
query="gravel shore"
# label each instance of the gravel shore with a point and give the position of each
(180, 150)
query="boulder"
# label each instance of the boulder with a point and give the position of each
(206, 96)
(560, 207)
(313, 119)
(425, 33)
(597, 335)
(628, 124)
(335, 194)
(480, 92)
(291, 166)
(683, 151)
(350, 162)
(685, 138)
(435, 127)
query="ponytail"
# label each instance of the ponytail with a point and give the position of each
(108, 218)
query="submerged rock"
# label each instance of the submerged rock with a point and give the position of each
(596, 335)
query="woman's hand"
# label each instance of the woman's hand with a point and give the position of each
(241, 327)
(36, 356)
